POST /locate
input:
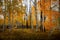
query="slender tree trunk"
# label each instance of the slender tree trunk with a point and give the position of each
(42, 28)
(43, 18)
(3, 10)
(10, 11)
(26, 21)
(31, 23)
(36, 15)
(59, 12)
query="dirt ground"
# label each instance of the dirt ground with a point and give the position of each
(28, 34)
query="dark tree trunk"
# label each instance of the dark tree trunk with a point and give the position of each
(42, 28)
(27, 24)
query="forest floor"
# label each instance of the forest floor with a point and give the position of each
(28, 34)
